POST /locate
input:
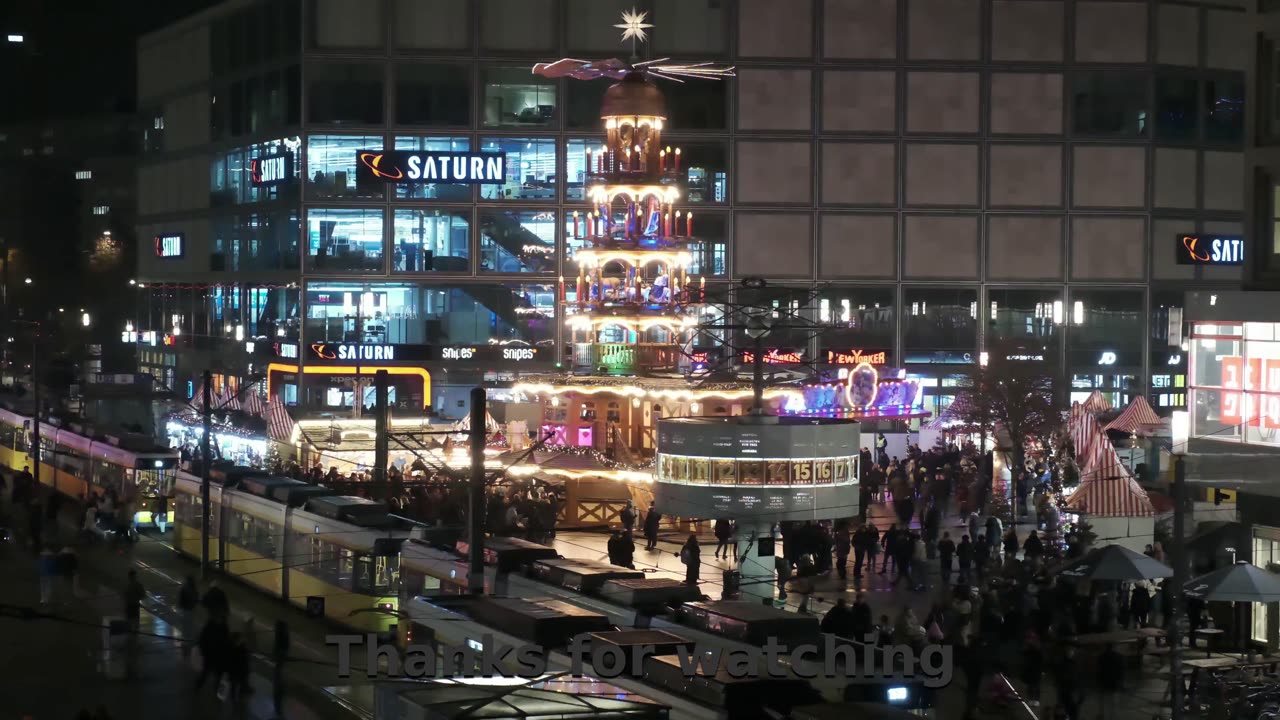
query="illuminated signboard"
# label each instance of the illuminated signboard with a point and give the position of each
(491, 353)
(350, 352)
(1210, 250)
(402, 166)
(857, 357)
(1250, 392)
(777, 356)
(170, 245)
(271, 169)
(289, 351)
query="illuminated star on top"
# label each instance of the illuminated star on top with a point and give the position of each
(633, 26)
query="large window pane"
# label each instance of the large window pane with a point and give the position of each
(453, 192)
(939, 321)
(531, 169)
(1105, 343)
(576, 165)
(689, 27)
(1024, 316)
(1108, 103)
(331, 164)
(433, 94)
(431, 25)
(856, 321)
(517, 241)
(591, 24)
(345, 24)
(1224, 108)
(709, 250)
(431, 240)
(344, 240)
(704, 171)
(517, 24)
(515, 97)
(345, 93)
(582, 103)
(1177, 110)
(700, 105)
(431, 314)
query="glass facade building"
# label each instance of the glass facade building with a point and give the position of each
(945, 173)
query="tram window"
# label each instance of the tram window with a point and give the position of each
(376, 574)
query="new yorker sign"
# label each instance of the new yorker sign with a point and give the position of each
(403, 166)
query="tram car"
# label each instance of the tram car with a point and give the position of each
(76, 461)
(331, 555)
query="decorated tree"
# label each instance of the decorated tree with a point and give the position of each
(1015, 390)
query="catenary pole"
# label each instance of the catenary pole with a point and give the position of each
(1178, 597)
(382, 424)
(475, 518)
(206, 457)
(35, 420)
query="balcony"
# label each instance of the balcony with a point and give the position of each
(625, 359)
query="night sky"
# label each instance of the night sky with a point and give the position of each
(78, 56)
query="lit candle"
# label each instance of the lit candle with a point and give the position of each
(626, 160)
(588, 168)
(561, 288)
(600, 160)
(677, 161)
(662, 161)
(677, 228)
(578, 295)
(575, 225)
(702, 288)
(644, 161)
(688, 230)
(666, 224)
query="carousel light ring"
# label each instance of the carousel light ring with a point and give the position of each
(555, 391)
(605, 194)
(599, 258)
(860, 390)
(634, 324)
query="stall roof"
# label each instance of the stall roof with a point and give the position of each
(518, 699)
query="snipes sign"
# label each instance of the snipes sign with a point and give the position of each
(400, 166)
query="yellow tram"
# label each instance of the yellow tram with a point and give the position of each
(75, 461)
(334, 556)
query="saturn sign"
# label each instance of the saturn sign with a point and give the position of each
(399, 166)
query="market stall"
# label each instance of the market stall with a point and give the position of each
(1108, 496)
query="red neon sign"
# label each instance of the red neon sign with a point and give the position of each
(856, 357)
(776, 357)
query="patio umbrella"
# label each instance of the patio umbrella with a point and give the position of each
(1116, 562)
(1241, 582)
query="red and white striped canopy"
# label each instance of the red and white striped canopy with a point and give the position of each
(1107, 489)
(1096, 403)
(254, 404)
(279, 422)
(1135, 417)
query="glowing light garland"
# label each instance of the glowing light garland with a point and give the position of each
(605, 194)
(634, 258)
(636, 391)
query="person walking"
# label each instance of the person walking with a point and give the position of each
(652, 520)
(691, 555)
(946, 550)
(844, 543)
(68, 565)
(888, 544)
(964, 558)
(47, 566)
(722, 530)
(280, 654)
(188, 601)
(1110, 682)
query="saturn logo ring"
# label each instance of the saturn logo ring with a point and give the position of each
(373, 160)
